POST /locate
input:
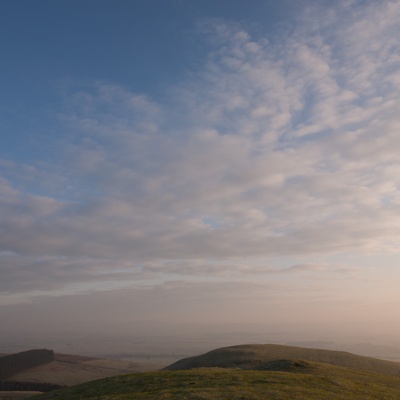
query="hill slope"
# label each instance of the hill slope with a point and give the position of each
(305, 381)
(258, 357)
(67, 370)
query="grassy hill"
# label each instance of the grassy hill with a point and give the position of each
(302, 380)
(259, 357)
(252, 372)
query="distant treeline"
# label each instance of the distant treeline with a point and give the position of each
(14, 363)
(28, 386)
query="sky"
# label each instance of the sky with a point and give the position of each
(199, 163)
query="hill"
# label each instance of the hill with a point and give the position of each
(259, 357)
(300, 380)
(67, 370)
(12, 364)
(252, 372)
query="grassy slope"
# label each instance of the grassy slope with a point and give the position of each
(256, 356)
(307, 381)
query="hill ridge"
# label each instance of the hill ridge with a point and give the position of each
(254, 356)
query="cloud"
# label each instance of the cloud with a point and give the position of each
(269, 150)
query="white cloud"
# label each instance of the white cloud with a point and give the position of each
(268, 150)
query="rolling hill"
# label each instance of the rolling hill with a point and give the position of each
(67, 370)
(251, 372)
(258, 357)
(306, 381)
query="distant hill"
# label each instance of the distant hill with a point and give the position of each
(67, 370)
(301, 380)
(12, 364)
(246, 372)
(259, 357)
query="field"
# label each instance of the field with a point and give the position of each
(69, 370)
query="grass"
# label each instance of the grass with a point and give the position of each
(308, 382)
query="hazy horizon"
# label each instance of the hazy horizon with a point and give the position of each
(187, 168)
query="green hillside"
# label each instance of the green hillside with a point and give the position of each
(251, 372)
(259, 356)
(302, 380)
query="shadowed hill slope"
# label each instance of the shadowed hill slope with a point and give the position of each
(259, 357)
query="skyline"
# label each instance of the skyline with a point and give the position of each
(197, 163)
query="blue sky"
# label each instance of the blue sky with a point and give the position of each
(144, 46)
(207, 155)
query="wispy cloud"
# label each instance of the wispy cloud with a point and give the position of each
(268, 150)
